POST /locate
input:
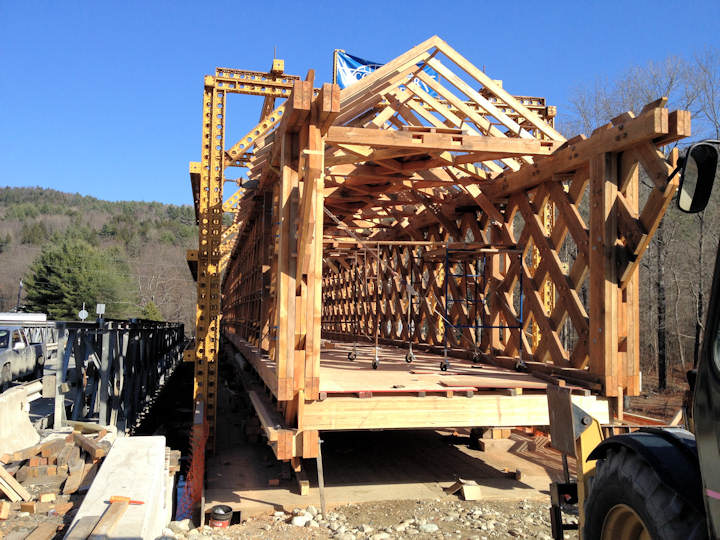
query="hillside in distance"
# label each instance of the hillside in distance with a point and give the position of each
(150, 236)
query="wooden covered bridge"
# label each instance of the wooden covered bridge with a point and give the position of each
(421, 249)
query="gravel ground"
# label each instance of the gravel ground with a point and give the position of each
(439, 518)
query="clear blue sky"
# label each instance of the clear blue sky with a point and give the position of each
(104, 98)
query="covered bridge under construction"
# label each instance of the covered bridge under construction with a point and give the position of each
(420, 249)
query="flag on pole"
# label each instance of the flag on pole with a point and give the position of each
(350, 69)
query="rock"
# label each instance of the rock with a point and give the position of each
(312, 523)
(312, 511)
(514, 532)
(279, 514)
(300, 521)
(380, 536)
(346, 536)
(428, 528)
(334, 526)
(195, 533)
(267, 527)
(365, 528)
(167, 532)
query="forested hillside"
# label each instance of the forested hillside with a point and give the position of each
(143, 244)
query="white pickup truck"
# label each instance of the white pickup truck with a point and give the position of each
(19, 358)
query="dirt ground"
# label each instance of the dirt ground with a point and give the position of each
(660, 404)
(445, 517)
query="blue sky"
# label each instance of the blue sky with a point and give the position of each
(104, 98)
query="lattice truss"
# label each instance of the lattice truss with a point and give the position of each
(353, 196)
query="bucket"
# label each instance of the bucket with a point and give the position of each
(220, 516)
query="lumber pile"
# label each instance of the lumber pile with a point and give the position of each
(40, 484)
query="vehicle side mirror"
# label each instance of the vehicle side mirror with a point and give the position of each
(699, 170)
(19, 345)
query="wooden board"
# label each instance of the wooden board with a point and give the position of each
(109, 520)
(398, 412)
(14, 485)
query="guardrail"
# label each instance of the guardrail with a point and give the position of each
(112, 370)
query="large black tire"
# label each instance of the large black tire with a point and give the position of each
(625, 478)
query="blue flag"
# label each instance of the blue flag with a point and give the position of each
(350, 69)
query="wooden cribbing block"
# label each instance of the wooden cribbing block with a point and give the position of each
(28, 507)
(46, 497)
(68, 453)
(469, 489)
(14, 485)
(52, 447)
(91, 447)
(302, 482)
(4, 509)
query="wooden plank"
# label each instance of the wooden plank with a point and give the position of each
(109, 520)
(44, 531)
(268, 419)
(14, 485)
(75, 477)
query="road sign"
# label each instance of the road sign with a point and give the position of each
(100, 309)
(83, 313)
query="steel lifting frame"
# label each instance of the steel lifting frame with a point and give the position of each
(207, 178)
(478, 322)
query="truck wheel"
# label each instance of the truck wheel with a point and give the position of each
(5, 378)
(627, 500)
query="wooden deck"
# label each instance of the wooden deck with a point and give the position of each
(398, 395)
(339, 375)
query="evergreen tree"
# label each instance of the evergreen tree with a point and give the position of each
(71, 272)
(151, 312)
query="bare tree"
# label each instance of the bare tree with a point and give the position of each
(593, 106)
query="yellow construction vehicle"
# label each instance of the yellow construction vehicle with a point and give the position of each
(653, 483)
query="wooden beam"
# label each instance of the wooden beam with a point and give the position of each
(603, 271)
(495, 147)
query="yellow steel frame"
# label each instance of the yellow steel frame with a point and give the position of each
(207, 179)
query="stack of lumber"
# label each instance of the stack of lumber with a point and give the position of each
(38, 484)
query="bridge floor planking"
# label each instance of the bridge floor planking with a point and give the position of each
(339, 375)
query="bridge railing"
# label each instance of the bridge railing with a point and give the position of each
(110, 371)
